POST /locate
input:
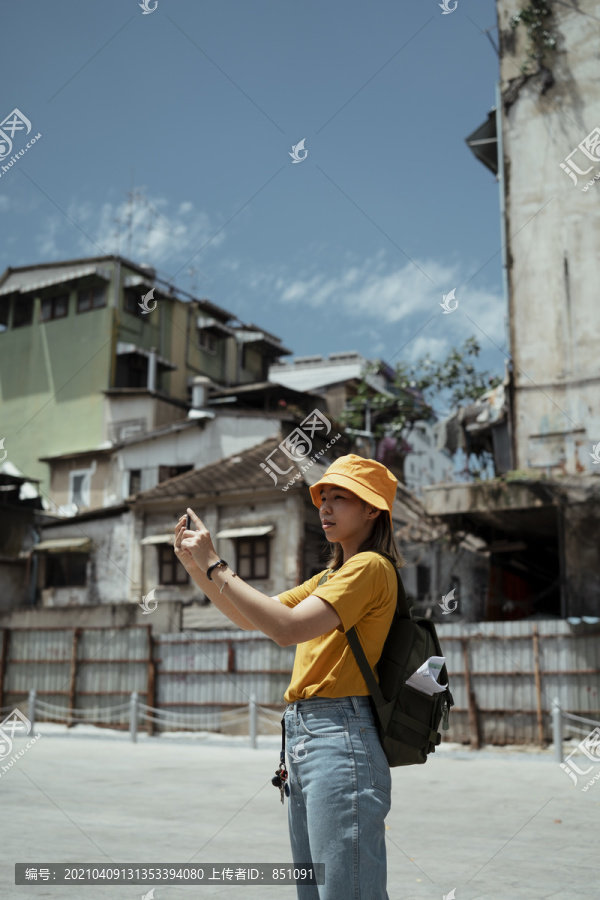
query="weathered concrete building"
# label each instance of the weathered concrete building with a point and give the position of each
(541, 521)
(336, 379)
(96, 567)
(86, 361)
(19, 502)
(553, 231)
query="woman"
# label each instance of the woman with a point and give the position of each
(339, 778)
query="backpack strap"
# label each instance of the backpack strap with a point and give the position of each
(403, 610)
(402, 605)
(365, 668)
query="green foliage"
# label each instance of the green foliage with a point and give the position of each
(540, 39)
(414, 388)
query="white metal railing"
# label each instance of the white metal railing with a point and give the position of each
(561, 721)
(134, 710)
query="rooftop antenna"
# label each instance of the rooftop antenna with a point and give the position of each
(117, 220)
(152, 214)
(193, 273)
(129, 215)
(132, 196)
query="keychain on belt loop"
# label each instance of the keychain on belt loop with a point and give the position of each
(279, 780)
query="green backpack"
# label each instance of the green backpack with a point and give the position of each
(407, 719)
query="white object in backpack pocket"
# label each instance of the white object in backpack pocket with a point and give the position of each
(426, 676)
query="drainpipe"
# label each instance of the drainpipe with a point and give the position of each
(115, 322)
(239, 362)
(161, 336)
(503, 240)
(151, 383)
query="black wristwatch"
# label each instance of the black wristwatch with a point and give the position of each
(221, 562)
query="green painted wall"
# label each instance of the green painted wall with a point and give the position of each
(53, 373)
(51, 377)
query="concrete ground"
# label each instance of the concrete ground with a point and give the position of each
(493, 824)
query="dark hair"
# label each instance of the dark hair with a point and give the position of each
(381, 538)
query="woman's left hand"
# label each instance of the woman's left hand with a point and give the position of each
(199, 543)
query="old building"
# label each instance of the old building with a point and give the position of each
(97, 350)
(19, 501)
(415, 457)
(97, 567)
(540, 517)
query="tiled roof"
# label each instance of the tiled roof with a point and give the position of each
(235, 474)
(242, 472)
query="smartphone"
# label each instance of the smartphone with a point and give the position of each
(188, 522)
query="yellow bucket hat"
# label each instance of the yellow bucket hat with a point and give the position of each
(369, 480)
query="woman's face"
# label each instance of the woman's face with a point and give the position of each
(343, 516)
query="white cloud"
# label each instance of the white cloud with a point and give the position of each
(230, 265)
(46, 241)
(146, 231)
(381, 297)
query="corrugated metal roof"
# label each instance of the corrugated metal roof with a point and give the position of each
(137, 280)
(168, 538)
(124, 348)
(36, 279)
(55, 545)
(310, 379)
(248, 531)
(207, 323)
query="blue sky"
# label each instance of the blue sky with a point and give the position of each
(197, 105)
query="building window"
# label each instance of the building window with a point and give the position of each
(66, 569)
(91, 298)
(166, 472)
(22, 311)
(252, 558)
(132, 370)
(207, 341)
(170, 570)
(54, 308)
(135, 481)
(423, 582)
(455, 585)
(4, 312)
(132, 300)
(79, 487)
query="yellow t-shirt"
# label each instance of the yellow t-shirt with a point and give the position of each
(363, 592)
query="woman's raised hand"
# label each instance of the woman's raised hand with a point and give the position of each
(194, 548)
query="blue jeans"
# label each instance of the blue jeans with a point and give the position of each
(340, 793)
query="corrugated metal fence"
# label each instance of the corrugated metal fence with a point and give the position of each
(88, 669)
(503, 675)
(209, 673)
